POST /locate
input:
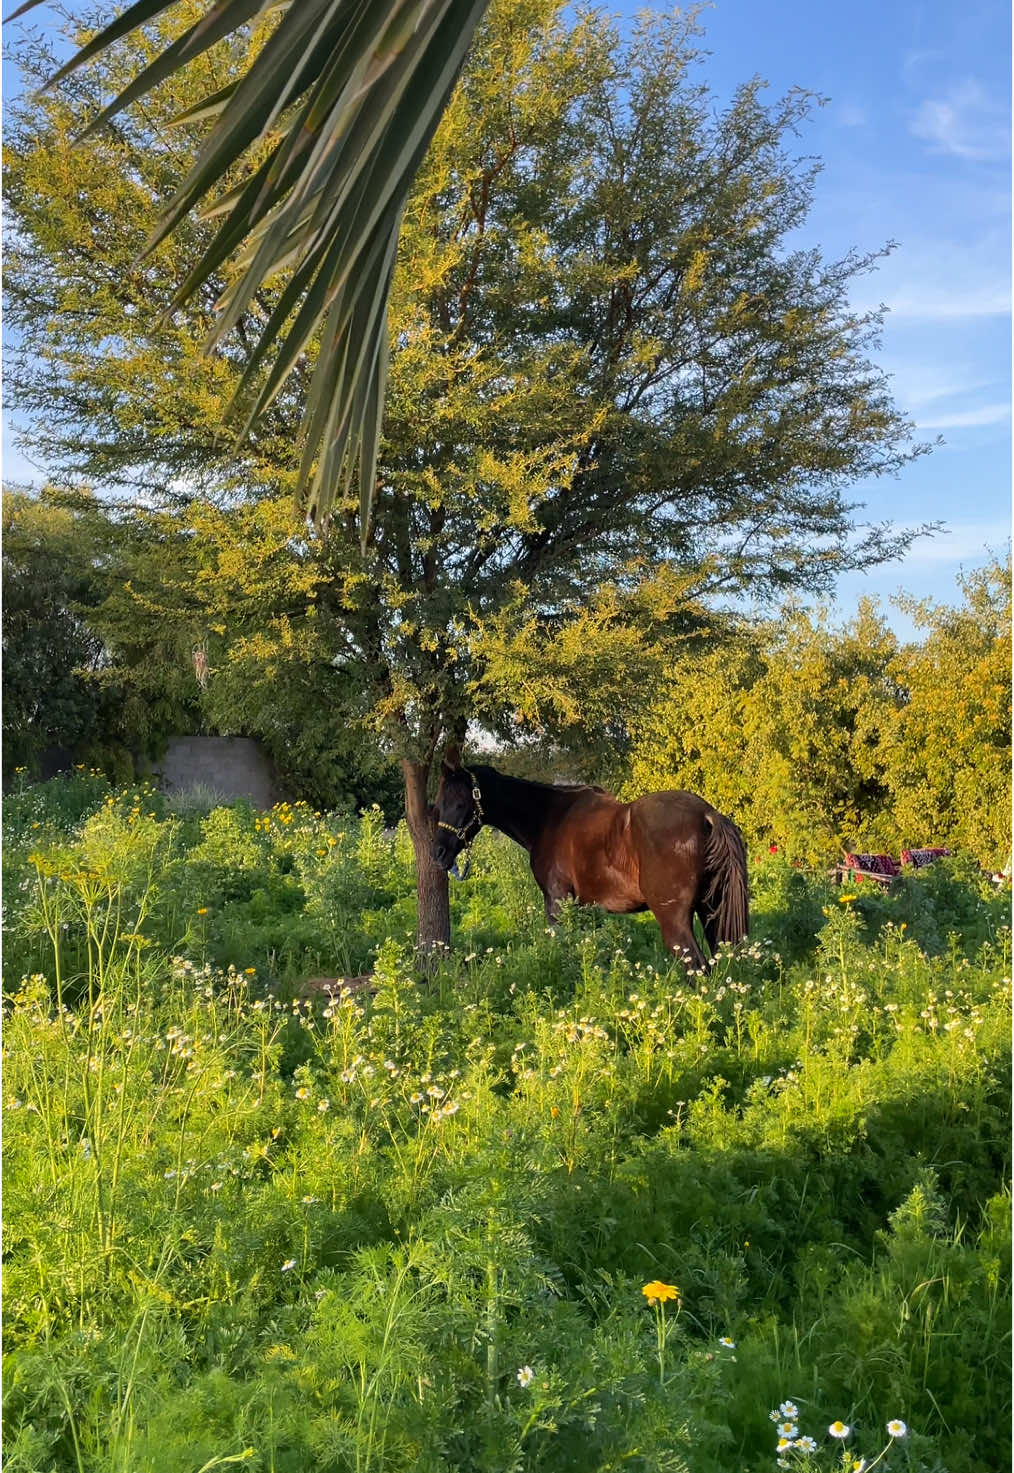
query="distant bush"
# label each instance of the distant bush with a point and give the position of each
(821, 739)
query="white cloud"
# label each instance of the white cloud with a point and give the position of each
(945, 393)
(941, 280)
(915, 62)
(850, 115)
(966, 122)
(963, 419)
(942, 300)
(971, 543)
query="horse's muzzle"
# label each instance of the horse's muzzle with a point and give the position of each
(444, 853)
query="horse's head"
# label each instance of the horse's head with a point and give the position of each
(457, 810)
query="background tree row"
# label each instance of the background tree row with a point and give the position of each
(618, 393)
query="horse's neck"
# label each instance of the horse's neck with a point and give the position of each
(521, 809)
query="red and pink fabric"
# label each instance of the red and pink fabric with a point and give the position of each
(918, 857)
(881, 865)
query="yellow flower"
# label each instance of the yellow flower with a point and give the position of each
(658, 1292)
(847, 899)
(202, 910)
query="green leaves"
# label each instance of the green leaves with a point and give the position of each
(345, 95)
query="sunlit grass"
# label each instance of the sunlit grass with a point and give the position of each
(414, 1226)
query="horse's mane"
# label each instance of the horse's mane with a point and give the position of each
(543, 787)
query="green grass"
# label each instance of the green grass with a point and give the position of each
(411, 1230)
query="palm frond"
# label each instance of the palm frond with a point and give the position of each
(347, 95)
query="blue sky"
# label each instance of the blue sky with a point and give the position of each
(915, 143)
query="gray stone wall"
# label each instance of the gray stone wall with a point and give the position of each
(233, 767)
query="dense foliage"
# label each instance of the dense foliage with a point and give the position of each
(819, 738)
(96, 666)
(54, 697)
(814, 736)
(413, 1228)
(602, 342)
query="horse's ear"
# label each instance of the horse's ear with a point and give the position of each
(452, 758)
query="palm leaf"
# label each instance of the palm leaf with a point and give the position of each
(348, 93)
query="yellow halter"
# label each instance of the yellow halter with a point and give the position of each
(478, 817)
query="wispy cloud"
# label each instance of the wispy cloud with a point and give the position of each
(947, 395)
(18, 470)
(916, 63)
(919, 380)
(971, 542)
(940, 280)
(966, 122)
(964, 419)
(850, 115)
(949, 301)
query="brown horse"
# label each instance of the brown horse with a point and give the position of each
(670, 853)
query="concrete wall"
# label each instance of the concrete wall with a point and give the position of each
(234, 767)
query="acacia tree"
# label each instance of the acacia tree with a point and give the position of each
(614, 393)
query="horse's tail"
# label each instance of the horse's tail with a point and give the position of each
(726, 898)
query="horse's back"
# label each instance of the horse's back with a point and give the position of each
(624, 832)
(673, 815)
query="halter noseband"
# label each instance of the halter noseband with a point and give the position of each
(478, 817)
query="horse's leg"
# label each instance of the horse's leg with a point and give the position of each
(553, 892)
(675, 919)
(671, 892)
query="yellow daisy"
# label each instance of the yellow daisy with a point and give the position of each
(657, 1292)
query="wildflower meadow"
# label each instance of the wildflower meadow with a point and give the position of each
(558, 1206)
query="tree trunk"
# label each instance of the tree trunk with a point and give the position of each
(434, 924)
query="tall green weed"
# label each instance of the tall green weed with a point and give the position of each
(411, 1227)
